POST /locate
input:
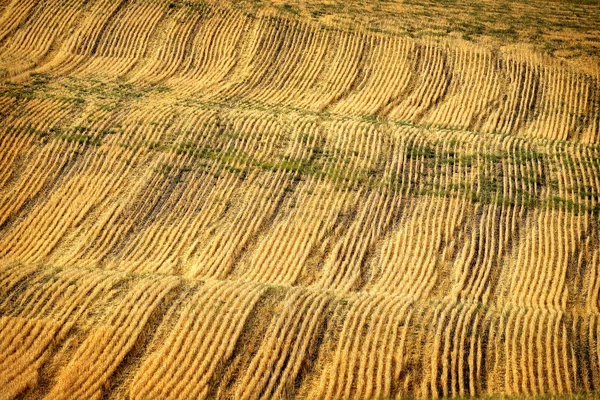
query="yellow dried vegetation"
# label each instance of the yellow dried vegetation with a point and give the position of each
(322, 199)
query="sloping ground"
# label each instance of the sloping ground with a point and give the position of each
(211, 201)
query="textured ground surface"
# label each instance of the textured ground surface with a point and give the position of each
(311, 200)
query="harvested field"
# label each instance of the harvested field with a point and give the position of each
(315, 200)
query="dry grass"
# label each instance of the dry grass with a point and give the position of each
(299, 199)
